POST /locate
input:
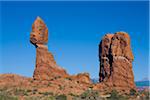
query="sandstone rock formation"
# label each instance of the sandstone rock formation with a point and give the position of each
(82, 78)
(12, 80)
(115, 55)
(116, 58)
(46, 67)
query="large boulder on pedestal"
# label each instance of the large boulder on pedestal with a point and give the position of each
(46, 67)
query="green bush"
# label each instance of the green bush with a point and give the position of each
(5, 96)
(61, 87)
(133, 92)
(89, 95)
(51, 98)
(116, 96)
(19, 91)
(47, 93)
(34, 98)
(61, 97)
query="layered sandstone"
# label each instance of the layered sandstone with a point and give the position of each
(46, 67)
(116, 58)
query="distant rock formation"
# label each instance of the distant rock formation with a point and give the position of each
(82, 77)
(116, 58)
(46, 67)
(13, 80)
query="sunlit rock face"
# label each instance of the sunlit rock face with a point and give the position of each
(116, 58)
(46, 67)
(39, 34)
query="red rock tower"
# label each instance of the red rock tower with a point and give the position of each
(46, 67)
(116, 58)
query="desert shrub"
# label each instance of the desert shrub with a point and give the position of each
(34, 91)
(61, 87)
(47, 93)
(28, 90)
(61, 97)
(49, 84)
(33, 98)
(145, 95)
(133, 92)
(89, 95)
(116, 96)
(56, 77)
(51, 98)
(5, 96)
(19, 91)
(91, 87)
(74, 95)
(85, 94)
(68, 78)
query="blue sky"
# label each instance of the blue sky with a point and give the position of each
(75, 30)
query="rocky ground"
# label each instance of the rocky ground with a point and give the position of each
(15, 87)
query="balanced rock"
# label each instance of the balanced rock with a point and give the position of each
(116, 58)
(39, 34)
(46, 67)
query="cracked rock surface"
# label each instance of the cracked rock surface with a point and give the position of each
(116, 58)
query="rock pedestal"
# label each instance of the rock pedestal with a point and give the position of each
(46, 67)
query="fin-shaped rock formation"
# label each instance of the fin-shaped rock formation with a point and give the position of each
(116, 58)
